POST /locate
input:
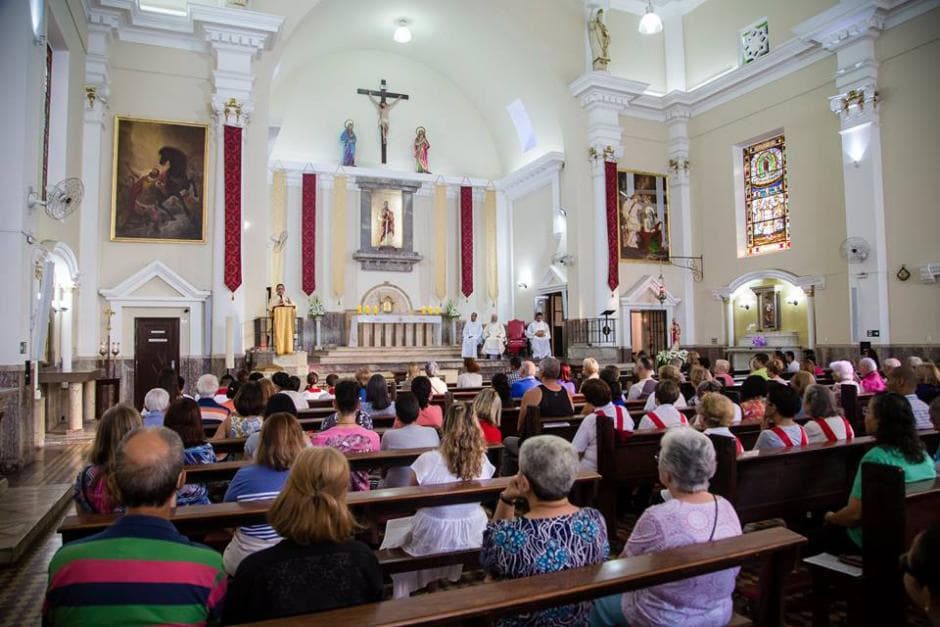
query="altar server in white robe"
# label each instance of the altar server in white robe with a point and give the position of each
(472, 331)
(494, 338)
(539, 337)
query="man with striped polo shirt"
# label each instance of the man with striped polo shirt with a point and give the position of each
(139, 570)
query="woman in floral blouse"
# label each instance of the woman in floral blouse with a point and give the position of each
(554, 535)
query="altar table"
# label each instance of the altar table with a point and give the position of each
(379, 330)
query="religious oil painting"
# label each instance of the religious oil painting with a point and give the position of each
(158, 188)
(644, 216)
(766, 196)
(387, 225)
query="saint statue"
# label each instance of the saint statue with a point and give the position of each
(348, 140)
(388, 225)
(422, 146)
(600, 41)
(676, 333)
(383, 107)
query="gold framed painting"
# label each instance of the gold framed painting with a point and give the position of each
(387, 231)
(158, 189)
(643, 215)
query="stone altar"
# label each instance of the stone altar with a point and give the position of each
(378, 330)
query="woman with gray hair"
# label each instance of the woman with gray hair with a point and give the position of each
(690, 516)
(438, 386)
(554, 535)
(826, 423)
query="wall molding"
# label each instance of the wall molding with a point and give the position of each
(804, 282)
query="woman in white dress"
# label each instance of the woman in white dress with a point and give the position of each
(461, 457)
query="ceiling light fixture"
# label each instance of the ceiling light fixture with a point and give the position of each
(402, 33)
(650, 23)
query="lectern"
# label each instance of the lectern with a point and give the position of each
(282, 323)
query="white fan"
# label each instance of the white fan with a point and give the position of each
(855, 249)
(279, 241)
(62, 199)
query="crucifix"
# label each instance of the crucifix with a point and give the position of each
(383, 106)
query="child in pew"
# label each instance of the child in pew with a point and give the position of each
(665, 414)
(778, 429)
(183, 417)
(461, 457)
(826, 422)
(597, 397)
(753, 397)
(715, 415)
(921, 567)
(347, 436)
(318, 565)
(891, 420)
(409, 435)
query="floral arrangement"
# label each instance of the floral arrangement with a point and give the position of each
(670, 355)
(450, 309)
(758, 341)
(317, 308)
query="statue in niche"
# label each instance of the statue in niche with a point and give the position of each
(388, 225)
(600, 40)
(421, 149)
(348, 140)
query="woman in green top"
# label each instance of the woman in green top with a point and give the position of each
(891, 421)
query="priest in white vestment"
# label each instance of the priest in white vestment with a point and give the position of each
(472, 331)
(494, 338)
(539, 337)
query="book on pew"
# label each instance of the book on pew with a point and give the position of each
(832, 562)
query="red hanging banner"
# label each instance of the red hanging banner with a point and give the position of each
(466, 241)
(233, 206)
(613, 256)
(308, 234)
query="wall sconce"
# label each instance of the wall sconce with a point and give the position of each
(745, 306)
(522, 286)
(91, 95)
(793, 301)
(855, 141)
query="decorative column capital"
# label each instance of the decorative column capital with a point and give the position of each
(856, 105)
(844, 24)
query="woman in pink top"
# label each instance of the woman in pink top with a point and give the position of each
(428, 415)
(868, 376)
(347, 436)
(690, 516)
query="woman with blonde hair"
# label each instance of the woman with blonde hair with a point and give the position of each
(311, 514)
(413, 370)
(716, 414)
(461, 457)
(92, 492)
(281, 441)
(487, 408)
(590, 369)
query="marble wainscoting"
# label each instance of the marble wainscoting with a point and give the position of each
(828, 353)
(17, 424)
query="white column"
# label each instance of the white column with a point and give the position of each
(75, 406)
(88, 399)
(728, 303)
(94, 150)
(506, 302)
(680, 209)
(674, 48)
(810, 316)
(66, 315)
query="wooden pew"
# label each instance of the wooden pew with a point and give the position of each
(483, 603)
(893, 513)
(224, 471)
(374, 504)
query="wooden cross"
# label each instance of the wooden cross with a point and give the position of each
(383, 106)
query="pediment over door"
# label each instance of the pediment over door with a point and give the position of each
(646, 292)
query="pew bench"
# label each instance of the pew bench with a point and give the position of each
(893, 513)
(373, 504)
(483, 603)
(224, 471)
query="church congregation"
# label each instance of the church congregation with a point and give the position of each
(504, 312)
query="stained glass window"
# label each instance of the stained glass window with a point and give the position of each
(766, 202)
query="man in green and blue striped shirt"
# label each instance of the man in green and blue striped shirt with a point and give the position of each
(140, 570)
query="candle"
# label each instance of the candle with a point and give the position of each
(424, 310)
(375, 309)
(358, 309)
(229, 342)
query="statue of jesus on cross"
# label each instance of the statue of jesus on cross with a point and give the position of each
(383, 106)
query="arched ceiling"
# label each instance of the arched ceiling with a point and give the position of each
(495, 52)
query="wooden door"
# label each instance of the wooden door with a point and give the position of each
(156, 346)
(555, 316)
(648, 331)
